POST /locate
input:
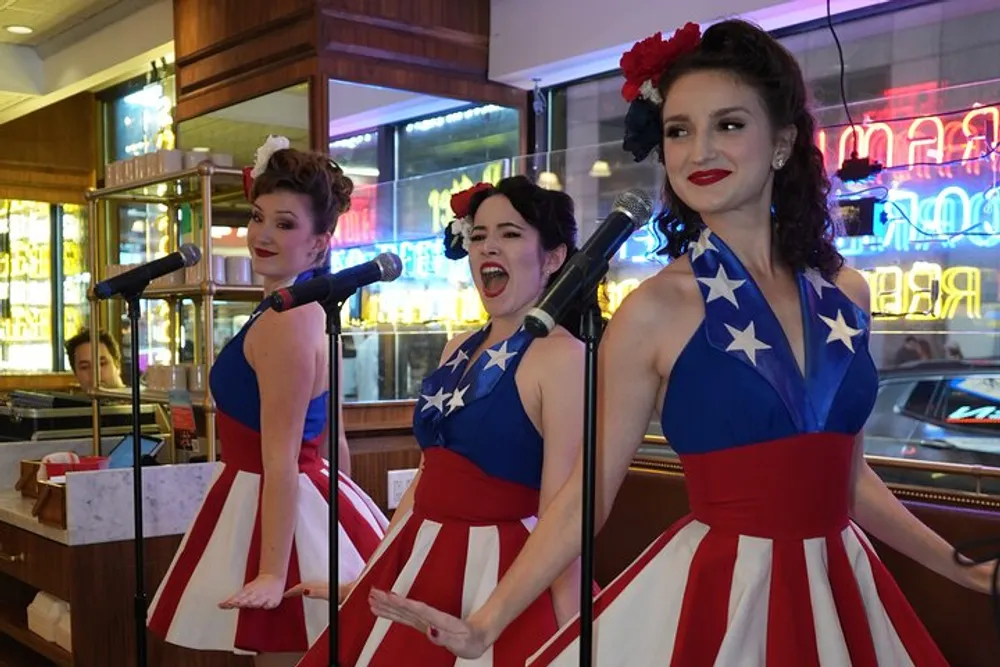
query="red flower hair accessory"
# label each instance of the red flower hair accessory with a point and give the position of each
(648, 59)
(457, 233)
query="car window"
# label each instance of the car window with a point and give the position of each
(920, 401)
(974, 402)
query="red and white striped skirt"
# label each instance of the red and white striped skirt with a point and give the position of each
(221, 551)
(767, 570)
(463, 533)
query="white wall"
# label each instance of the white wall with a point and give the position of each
(563, 40)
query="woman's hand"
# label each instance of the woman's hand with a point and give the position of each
(264, 592)
(320, 590)
(465, 638)
(980, 577)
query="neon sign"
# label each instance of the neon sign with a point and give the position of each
(439, 200)
(357, 226)
(926, 291)
(926, 139)
(950, 218)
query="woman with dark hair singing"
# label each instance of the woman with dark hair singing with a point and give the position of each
(262, 527)
(752, 345)
(500, 424)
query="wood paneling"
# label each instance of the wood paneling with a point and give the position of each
(361, 419)
(373, 457)
(960, 621)
(98, 581)
(229, 51)
(50, 155)
(105, 573)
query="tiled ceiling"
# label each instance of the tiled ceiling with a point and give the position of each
(239, 139)
(47, 18)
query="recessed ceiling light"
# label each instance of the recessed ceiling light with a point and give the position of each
(19, 29)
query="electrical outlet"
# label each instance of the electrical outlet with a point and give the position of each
(399, 482)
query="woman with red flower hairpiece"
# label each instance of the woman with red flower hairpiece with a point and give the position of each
(500, 425)
(752, 346)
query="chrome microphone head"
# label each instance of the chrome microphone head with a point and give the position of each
(390, 266)
(190, 253)
(636, 204)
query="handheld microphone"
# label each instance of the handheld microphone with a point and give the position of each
(135, 280)
(385, 268)
(583, 271)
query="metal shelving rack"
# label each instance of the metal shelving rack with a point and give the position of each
(208, 186)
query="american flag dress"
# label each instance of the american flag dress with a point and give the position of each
(768, 569)
(220, 552)
(474, 508)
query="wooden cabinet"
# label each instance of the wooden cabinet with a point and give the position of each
(97, 581)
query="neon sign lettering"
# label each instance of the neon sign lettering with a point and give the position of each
(948, 219)
(357, 226)
(927, 291)
(439, 200)
(928, 138)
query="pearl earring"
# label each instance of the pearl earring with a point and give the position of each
(779, 162)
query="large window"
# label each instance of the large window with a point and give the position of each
(456, 139)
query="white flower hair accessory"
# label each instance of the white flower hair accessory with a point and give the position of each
(461, 231)
(272, 145)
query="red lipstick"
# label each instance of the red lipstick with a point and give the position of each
(708, 177)
(260, 252)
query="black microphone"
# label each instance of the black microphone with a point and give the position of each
(135, 280)
(385, 268)
(582, 271)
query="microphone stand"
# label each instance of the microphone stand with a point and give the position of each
(591, 325)
(332, 307)
(131, 299)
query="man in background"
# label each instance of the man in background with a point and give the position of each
(109, 360)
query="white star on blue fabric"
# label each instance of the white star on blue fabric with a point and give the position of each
(702, 245)
(839, 330)
(459, 357)
(816, 279)
(721, 286)
(746, 341)
(499, 357)
(457, 400)
(437, 400)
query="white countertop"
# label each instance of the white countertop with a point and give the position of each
(99, 504)
(15, 510)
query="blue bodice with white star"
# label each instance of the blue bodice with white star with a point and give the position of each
(234, 382)
(737, 382)
(478, 414)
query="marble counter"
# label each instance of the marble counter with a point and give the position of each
(99, 504)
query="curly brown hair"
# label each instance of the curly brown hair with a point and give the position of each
(803, 229)
(311, 174)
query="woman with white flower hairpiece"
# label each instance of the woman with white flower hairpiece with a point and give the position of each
(500, 425)
(263, 526)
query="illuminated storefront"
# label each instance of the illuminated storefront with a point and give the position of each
(43, 283)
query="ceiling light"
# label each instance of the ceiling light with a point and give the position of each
(19, 29)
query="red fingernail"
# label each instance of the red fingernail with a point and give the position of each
(306, 591)
(434, 633)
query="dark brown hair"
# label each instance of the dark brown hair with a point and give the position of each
(84, 337)
(311, 174)
(550, 212)
(803, 229)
